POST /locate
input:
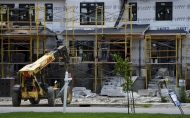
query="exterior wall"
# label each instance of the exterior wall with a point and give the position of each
(51, 43)
(111, 12)
(58, 16)
(58, 11)
(145, 15)
(135, 52)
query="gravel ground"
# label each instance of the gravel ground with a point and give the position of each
(94, 100)
(97, 99)
(102, 100)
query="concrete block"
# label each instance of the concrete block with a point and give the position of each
(82, 92)
(79, 89)
(147, 92)
(106, 88)
(143, 92)
(164, 92)
(116, 92)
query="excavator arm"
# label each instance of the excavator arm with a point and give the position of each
(59, 54)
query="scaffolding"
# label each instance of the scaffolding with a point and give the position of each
(25, 36)
(187, 63)
(163, 52)
(29, 37)
(17, 41)
(74, 59)
(125, 41)
(96, 47)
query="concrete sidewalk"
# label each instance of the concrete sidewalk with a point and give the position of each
(139, 105)
(7, 102)
(94, 110)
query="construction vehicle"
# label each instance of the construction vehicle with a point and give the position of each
(32, 87)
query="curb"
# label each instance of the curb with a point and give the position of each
(139, 105)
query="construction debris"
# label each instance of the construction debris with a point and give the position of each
(80, 92)
(112, 86)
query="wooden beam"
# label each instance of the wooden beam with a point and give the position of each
(21, 37)
(121, 36)
(163, 37)
(111, 36)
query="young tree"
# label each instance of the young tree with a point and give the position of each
(123, 67)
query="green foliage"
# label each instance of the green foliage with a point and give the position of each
(87, 115)
(123, 68)
(143, 105)
(163, 99)
(146, 105)
(188, 100)
(150, 101)
(182, 95)
(140, 105)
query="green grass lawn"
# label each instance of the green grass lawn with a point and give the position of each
(85, 115)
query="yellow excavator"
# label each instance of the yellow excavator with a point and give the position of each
(32, 88)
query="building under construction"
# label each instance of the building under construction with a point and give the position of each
(152, 34)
